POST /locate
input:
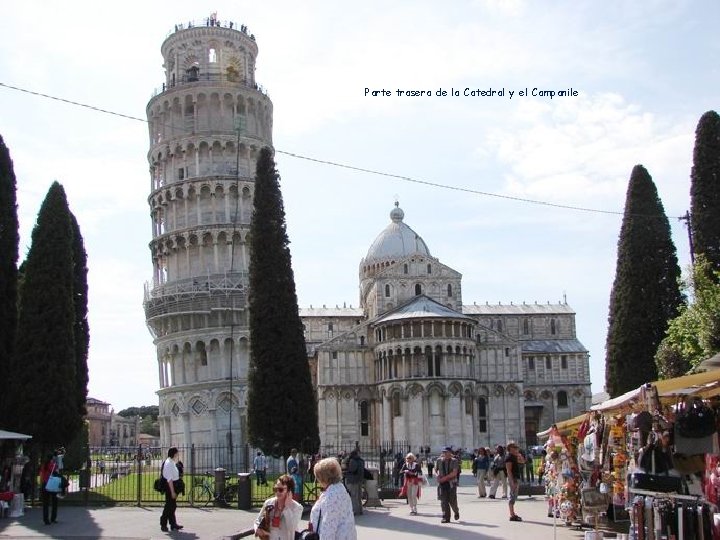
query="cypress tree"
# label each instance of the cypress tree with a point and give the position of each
(705, 190)
(42, 382)
(646, 292)
(9, 239)
(80, 308)
(282, 410)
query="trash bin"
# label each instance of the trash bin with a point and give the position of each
(244, 486)
(371, 488)
(84, 479)
(219, 485)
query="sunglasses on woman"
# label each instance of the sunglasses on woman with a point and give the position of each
(279, 489)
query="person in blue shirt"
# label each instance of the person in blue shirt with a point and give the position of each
(480, 467)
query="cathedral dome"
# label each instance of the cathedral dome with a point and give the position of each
(397, 240)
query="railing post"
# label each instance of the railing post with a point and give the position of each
(139, 460)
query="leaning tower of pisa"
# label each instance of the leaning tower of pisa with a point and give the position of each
(207, 124)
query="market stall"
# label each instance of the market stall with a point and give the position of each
(12, 464)
(651, 454)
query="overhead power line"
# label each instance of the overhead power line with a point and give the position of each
(355, 168)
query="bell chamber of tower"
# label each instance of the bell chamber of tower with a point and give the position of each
(207, 124)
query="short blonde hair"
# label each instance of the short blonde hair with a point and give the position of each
(410, 456)
(328, 471)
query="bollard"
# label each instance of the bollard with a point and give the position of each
(243, 494)
(219, 485)
(371, 488)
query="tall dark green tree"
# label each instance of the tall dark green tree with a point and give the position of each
(42, 381)
(646, 292)
(705, 190)
(80, 305)
(9, 239)
(282, 410)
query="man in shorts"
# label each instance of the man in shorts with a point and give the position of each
(513, 462)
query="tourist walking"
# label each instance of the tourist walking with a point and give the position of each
(412, 478)
(332, 515)
(260, 466)
(499, 473)
(529, 466)
(49, 497)
(171, 475)
(480, 467)
(354, 478)
(513, 467)
(447, 470)
(279, 516)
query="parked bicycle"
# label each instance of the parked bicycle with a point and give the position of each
(203, 491)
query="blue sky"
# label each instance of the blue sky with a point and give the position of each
(644, 72)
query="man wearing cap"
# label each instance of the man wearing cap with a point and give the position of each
(448, 469)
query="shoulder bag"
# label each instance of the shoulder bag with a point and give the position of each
(309, 534)
(160, 484)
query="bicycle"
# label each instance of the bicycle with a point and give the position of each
(203, 491)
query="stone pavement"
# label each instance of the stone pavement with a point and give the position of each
(480, 519)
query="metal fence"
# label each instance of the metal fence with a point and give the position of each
(116, 475)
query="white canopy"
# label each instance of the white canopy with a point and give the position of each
(11, 435)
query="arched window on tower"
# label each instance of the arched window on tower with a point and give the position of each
(449, 290)
(387, 291)
(212, 56)
(202, 354)
(482, 415)
(396, 404)
(418, 289)
(192, 73)
(526, 327)
(562, 398)
(429, 268)
(405, 268)
(364, 419)
(553, 327)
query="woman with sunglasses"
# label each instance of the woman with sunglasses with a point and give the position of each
(279, 517)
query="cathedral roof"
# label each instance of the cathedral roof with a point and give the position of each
(552, 346)
(421, 307)
(516, 309)
(397, 240)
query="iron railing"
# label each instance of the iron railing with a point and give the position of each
(125, 475)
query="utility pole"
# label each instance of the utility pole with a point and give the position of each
(688, 224)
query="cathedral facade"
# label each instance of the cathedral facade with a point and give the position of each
(413, 363)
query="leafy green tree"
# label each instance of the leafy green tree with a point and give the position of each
(282, 410)
(705, 190)
(646, 293)
(81, 327)
(9, 239)
(42, 380)
(694, 335)
(146, 411)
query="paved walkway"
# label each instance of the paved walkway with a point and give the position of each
(480, 519)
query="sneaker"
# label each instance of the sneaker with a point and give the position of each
(413, 513)
(491, 496)
(550, 514)
(443, 520)
(515, 518)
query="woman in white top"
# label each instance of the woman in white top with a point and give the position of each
(279, 517)
(332, 515)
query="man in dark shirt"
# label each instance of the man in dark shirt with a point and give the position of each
(513, 461)
(448, 470)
